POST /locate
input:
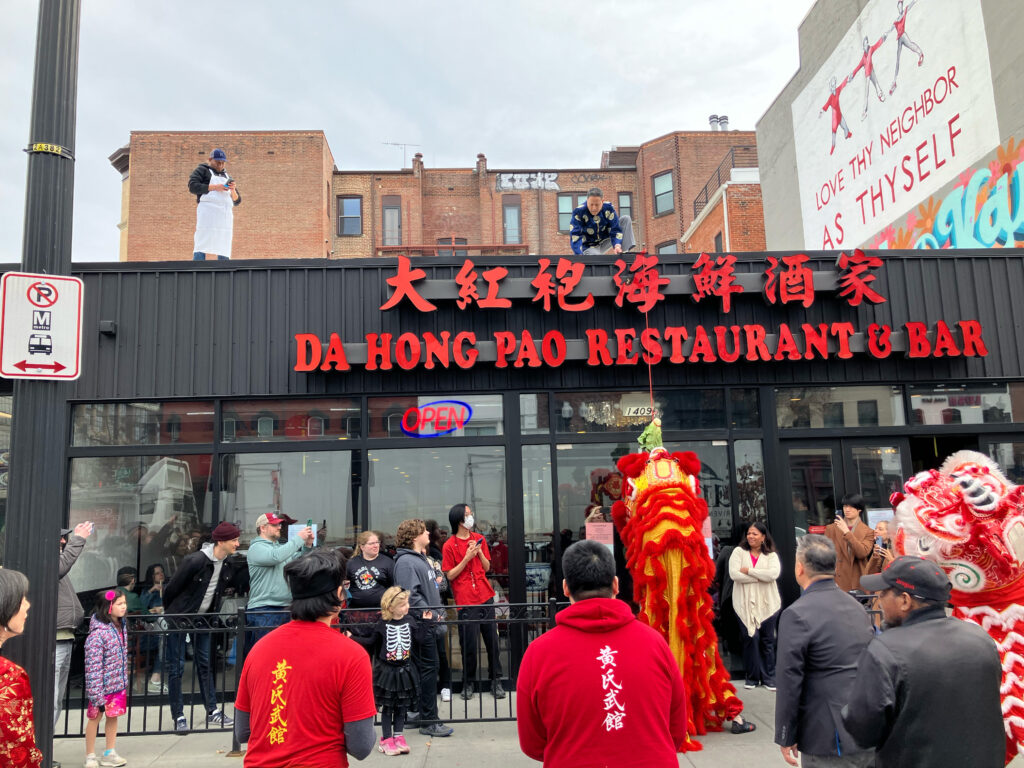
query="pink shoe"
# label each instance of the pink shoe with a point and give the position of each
(401, 744)
(387, 746)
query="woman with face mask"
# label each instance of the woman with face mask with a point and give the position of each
(465, 561)
(17, 730)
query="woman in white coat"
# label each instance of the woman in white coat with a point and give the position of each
(755, 568)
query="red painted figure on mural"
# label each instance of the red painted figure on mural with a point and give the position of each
(837, 113)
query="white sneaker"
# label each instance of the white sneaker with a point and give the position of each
(446, 694)
(111, 758)
(90, 762)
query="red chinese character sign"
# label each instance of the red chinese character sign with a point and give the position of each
(789, 280)
(402, 282)
(642, 284)
(466, 280)
(857, 276)
(715, 277)
(568, 273)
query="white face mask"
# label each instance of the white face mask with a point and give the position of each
(468, 522)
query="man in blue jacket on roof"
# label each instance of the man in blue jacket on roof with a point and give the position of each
(596, 228)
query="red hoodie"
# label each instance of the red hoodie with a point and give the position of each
(601, 689)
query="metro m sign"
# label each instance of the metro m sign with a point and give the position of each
(40, 326)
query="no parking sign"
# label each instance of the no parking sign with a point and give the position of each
(40, 326)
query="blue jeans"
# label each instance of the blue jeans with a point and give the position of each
(200, 256)
(264, 623)
(174, 668)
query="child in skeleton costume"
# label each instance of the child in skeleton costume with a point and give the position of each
(395, 678)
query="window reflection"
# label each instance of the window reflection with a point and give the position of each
(590, 412)
(967, 404)
(538, 519)
(142, 423)
(824, 407)
(275, 420)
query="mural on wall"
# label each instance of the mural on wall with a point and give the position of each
(985, 209)
(901, 106)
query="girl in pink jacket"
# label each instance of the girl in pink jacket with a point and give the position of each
(106, 675)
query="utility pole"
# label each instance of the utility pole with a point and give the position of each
(39, 430)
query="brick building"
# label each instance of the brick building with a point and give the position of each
(297, 204)
(727, 213)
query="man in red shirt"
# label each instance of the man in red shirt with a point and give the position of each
(305, 697)
(465, 561)
(601, 688)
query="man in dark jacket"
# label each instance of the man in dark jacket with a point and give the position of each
(596, 228)
(927, 688)
(821, 637)
(601, 688)
(69, 609)
(414, 573)
(197, 587)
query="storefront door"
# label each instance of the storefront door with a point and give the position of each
(823, 471)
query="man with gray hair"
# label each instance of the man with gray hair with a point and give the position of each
(821, 638)
(596, 228)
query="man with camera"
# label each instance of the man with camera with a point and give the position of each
(821, 637)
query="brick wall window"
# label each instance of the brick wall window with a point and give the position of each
(567, 202)
(392, 218)
(512, 219)
(718, 243)
(669, 246)
(625, 204)
(444, 247)
(350, 216)
(664, 200)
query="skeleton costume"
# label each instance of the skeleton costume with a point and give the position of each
(395, 679)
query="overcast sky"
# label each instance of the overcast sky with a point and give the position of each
(530, 84)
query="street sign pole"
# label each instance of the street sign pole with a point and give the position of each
(39, 430)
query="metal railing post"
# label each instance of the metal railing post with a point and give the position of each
(240, 651)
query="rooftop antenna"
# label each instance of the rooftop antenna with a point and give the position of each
(404, 146)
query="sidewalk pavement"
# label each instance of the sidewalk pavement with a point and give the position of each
(471, 746)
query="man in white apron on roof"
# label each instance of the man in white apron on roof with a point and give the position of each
(216, 197)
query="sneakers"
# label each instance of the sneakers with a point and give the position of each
(156, 687)
(401, 744)
(446, 694)
(219, 718)
(743, 727)
(91, 762)
(111, 758)
(387, 746)
(749, 685)
(467, 691)
(496, 690)
(770, 686)
(181, 726)
(436, 729)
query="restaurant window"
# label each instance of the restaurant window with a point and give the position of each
(426, 416)
(350, 216)
(718, 243)
(664, 201)
(968, 403)
(1010, 458)
(287, 420)
(511, 218)
(99, 424)
(669, 246)
(595, 412)
(405, 483)
(533, 414)
(444, 246)
(751, 501)
(745, 408)
(145, 510)
(392, 219)
(823, 407)
(539, 523)
(625, 204)
(321, 486)
(567, 203)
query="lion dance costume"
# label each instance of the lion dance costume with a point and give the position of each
(969, 519)
(660, 521)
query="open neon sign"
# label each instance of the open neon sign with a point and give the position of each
(436, 419)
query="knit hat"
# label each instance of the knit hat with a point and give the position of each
(226, 532)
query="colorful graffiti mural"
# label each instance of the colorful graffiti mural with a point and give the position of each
(984, 210)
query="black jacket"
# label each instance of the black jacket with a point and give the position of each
(927, 694)
(184, 592)
(199, 181)
(821, 638)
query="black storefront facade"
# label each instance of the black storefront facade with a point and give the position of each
(333, 392)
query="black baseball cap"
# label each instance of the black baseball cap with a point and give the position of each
(917, 577)
(65, 531)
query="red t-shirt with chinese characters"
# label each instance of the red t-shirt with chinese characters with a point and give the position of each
(471, 587)
(300, 684)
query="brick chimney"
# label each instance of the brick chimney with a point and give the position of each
(481, 164)
(417, 165)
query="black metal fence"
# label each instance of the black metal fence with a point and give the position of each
(153, 640)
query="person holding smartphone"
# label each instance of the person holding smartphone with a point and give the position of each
(466, 560)
(854, 541)
(883, 553)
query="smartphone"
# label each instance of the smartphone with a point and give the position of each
(878, 541)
